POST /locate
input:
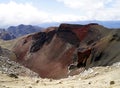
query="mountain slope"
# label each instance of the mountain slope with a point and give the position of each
(97, 77)
(68, 49)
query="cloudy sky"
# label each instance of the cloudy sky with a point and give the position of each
(14, 12)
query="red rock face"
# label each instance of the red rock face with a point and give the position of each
(22, 47)
(51, 53)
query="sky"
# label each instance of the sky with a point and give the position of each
(14, 12)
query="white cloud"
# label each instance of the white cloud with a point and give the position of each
(96, 9)
(13, 14)
(84, 4)
(65, 17)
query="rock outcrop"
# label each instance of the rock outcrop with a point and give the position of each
(68, 49)
(12, 68)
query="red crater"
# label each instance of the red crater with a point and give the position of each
(56, 51)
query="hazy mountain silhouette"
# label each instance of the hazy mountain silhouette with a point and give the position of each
(17, 31)
(22, 29)
(109, 24)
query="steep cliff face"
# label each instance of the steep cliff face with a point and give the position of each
(68, 49)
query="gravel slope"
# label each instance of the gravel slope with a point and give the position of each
(96, 77)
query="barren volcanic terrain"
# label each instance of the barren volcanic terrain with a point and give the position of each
(68, 56)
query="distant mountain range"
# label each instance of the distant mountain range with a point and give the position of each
(5, 35)
(17, 31)
(20, 30)
(109, 24)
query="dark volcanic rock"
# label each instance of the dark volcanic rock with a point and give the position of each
(62, 51)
